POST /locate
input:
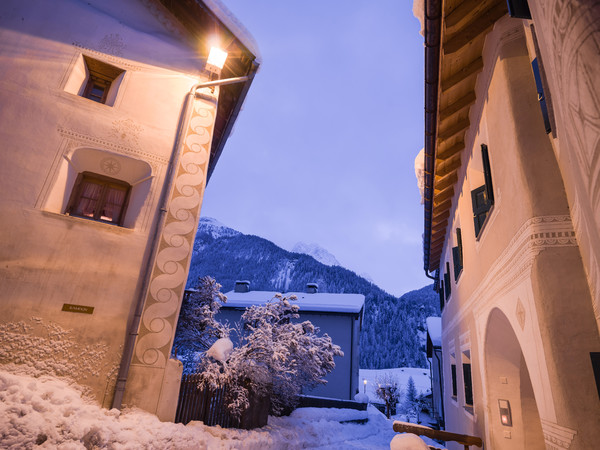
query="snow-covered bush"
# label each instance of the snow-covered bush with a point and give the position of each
(276, 358)
(197, 328)
(389, 391)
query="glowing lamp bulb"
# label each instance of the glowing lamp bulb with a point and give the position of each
(216, 57)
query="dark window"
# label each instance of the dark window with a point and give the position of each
(483, 197)
(540, 91)
(454, 389)
(457, 255)
(595, 356)
(447, 286)
(99, 198)
(441, 293)
(101, 76)
(518, 9)
(468, 384)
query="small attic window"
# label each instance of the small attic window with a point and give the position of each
(95, 80)
(100, 78)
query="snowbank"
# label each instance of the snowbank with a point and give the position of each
(52, 413)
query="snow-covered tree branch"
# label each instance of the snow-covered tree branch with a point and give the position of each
(276, 357)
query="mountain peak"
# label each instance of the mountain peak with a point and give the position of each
(214, 228)
(317, 252)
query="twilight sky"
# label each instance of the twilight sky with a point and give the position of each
(324, 148)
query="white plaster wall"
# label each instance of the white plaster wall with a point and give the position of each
(46, 258)
(526, 240)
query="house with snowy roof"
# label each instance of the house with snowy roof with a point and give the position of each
(511, 173)
(434, 357)
(338, 315)
(114, 114)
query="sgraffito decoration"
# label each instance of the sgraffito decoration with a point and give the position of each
(169, 273)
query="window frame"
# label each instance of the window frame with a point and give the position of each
(457, 255)
(99, 74)
(454, 380)
(447, 282)
(106, 183)
(482, 210)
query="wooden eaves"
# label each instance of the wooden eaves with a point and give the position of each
(455, 32)
(200, 22)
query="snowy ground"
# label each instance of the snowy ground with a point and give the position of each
(47, 412)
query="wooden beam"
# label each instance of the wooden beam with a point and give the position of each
(441, 216)
(458, 105)
(439, 227)
(463, 13)
(464, 72)
(478, 25)
(461, 125)
(437, 249)
(443, 168)
(442, 183)
(439, 197)
(451, 151)
(443, 206)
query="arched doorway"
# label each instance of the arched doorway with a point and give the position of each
(508, 384)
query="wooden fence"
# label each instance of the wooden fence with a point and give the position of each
(209, 406)
(203, 404)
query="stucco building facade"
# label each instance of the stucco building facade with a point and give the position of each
(107, 145)
(512, 217)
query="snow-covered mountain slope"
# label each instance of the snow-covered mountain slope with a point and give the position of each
(214, 228)
(317, 252)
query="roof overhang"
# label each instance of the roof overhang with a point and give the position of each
(198, 18)
(455, 34)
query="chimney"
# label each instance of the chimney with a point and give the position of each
(312, 288)
(242, 286)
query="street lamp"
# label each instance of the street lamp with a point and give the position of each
(365, 385)
(216, 60)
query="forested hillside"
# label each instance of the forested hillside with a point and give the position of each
(392, 327)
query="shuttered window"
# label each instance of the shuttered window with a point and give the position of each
(457, 255)
(518, 9)
(468, 384)
(482, 198)
(441, 294)
(540, 92)
(447, 286)
(454, 384)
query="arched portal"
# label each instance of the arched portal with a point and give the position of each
(509, 384)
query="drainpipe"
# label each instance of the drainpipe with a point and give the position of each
(132, 329)
(433, 23)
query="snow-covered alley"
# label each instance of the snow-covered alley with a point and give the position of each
(47, 412)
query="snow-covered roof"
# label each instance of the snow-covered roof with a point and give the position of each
(434, 328)
(318, 302)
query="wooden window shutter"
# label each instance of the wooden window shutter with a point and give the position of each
(454, 384)
(487, 173)
(540, 91)
(441, 294)
(518, 9)
(447, 286)
(482, 198)
(457, 255)
(468, 383)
